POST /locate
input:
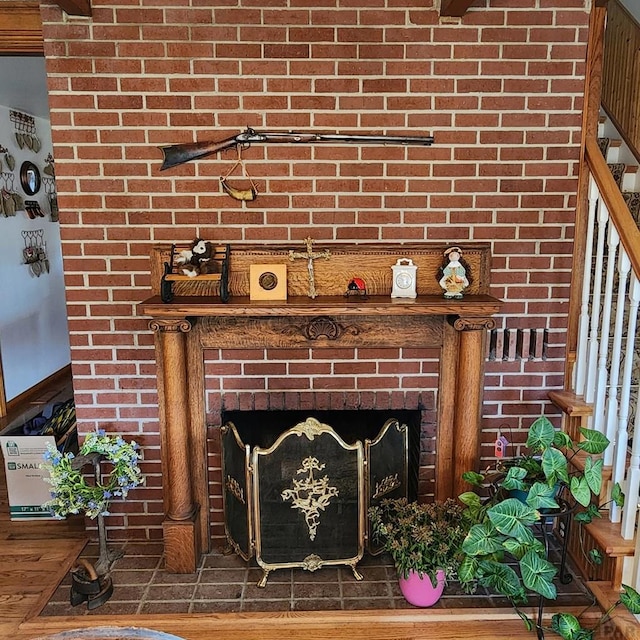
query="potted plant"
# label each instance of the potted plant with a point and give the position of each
(71, 493)
(501, 534)
(424, 541)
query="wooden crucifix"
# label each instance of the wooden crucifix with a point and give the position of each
(310, 255)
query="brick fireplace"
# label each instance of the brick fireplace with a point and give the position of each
(190, 325)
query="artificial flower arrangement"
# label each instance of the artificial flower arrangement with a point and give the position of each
(70, 492)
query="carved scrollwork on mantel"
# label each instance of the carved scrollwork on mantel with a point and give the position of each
(473, 324)
(323, 327)
(170, 326)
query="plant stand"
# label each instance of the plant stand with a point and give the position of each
(106, 556)
(564, 516)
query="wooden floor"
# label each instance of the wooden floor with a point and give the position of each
(36, 556)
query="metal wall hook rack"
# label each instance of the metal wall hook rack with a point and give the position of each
(22, 121)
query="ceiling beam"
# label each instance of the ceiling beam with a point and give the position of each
(75, 7)
(455, 8)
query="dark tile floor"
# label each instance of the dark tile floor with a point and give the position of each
(228, 584)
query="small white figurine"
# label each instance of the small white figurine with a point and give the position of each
(454, 276)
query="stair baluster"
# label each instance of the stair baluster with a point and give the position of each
(583, 327)
(622, 436)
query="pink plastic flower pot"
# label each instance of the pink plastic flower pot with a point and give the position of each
(419, 591)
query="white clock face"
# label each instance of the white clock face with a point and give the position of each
(404, 280)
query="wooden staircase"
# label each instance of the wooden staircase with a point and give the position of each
(600, 534)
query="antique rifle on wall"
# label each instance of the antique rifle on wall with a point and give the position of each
(176, 154)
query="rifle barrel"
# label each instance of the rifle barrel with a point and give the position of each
(364, 139)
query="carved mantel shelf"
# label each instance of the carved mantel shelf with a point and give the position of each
(188, 325)
(430, 305)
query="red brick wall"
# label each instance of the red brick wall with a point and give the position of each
(501, 91)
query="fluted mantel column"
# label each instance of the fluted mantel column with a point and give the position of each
(469, 387)
(179, 529)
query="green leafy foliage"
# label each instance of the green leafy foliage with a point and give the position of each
(568, 627)
(580, 490)
(554, 465)
(512, 518)
(593, 474)
(594, 442)
(595, 555)
(542, 496)
(616, 495)
(630, 598)
(541, 434)
(585, 517)
(476, 479)
(538, 574)
(501, 578)
(501, 551)
(421, 537)
(482, 540)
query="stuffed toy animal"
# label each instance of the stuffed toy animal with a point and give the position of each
(197, 260)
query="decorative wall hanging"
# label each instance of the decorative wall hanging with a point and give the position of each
(49, 184)
(35, 251)
(10, 200)
(32, 209)
(30, 179)
(8, 158)
(26, 134)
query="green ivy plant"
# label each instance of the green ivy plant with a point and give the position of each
(501, 532)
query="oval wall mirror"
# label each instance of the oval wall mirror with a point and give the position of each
(30, 178)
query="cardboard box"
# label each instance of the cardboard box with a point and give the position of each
(26, 486)
(23, 448)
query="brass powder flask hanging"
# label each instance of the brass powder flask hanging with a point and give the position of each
(243, 195)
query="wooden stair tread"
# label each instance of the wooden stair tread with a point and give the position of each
(570, 403)
(607, 535)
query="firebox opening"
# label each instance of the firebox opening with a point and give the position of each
(263, 427)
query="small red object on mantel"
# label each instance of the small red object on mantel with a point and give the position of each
(356, 287)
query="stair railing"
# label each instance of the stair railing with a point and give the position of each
(605, 373)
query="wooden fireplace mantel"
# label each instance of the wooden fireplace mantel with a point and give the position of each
(188, 325)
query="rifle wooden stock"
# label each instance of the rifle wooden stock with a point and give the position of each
(176, 154)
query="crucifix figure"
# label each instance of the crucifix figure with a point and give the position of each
(310, 255)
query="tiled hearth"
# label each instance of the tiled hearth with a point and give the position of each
(228, 584)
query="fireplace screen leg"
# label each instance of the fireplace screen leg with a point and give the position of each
(265, 574)
(356, 574)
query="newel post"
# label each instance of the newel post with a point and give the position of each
(179, 526)
(468, 396)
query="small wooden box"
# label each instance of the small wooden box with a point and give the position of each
(268, 282)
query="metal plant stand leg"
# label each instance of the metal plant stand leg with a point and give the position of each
(564, 515)
(107, 556)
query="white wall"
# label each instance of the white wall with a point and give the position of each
(34, 339)
(633, 7)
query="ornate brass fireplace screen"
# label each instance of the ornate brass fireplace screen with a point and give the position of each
(303, 501)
